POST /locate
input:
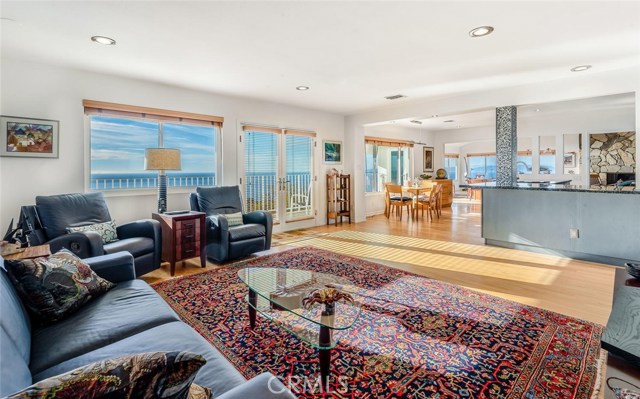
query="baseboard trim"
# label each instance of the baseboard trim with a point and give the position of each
(608, 260)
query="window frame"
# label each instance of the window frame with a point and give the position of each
(394, 145)
(150, 114)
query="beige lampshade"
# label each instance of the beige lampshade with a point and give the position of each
(162, 159)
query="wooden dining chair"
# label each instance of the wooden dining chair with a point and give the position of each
(396, 200)
(438, 201)
(427, 202)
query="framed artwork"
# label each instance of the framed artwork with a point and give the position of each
(570, 160)
(427, 159)
(332, 151)
(26, 137)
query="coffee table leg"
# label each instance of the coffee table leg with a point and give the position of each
(253, 301)
(325, 355)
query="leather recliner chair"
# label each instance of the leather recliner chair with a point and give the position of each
(224, 242)
(51, 216)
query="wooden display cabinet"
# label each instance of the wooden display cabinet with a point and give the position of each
(338, 198)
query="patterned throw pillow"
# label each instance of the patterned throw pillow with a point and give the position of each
(107, 230)
(234, 219)
(55, 286)
(143, 376)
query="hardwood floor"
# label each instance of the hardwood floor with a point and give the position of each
(451, 249)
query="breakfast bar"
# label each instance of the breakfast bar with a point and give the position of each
(600, 225)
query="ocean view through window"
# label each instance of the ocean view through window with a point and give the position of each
(117, 152)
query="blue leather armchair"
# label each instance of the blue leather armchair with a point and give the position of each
(224, 242)
(51, 215)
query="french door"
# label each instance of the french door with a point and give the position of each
(278, 172)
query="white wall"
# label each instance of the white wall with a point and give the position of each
(49, 92)
(574, 86)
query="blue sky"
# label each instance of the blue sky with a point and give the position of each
(117, 144)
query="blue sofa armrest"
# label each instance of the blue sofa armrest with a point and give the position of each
(117, 267)
(216, 224)
(263, 218)
(140, 228)
(264, 386)
(84, 244)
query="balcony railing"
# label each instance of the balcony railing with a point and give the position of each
(131, 182)
(262, 193)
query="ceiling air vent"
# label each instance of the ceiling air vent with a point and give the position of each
(395, 97)
(416, 122)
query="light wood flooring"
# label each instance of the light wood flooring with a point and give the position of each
(451, 249)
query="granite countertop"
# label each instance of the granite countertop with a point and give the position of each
(558, 186)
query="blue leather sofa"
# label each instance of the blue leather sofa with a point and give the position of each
(226, 242)
(130, 318)
(52, 214)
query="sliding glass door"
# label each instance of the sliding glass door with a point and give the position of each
(278, 172)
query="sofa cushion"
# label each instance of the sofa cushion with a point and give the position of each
(217, 374)
(165, 375)
(136, 246)
(107, 230)
(14, 318)
(246, 231)
(131, 307)
(14, 369)
(57, 212)
(56, 286)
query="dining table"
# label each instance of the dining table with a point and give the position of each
(416, 192)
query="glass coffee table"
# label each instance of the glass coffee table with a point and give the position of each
(278, 295)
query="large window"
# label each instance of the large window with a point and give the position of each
(451, 166)
(524, 164)
(118, 140)
(482, 166)
(386, 161)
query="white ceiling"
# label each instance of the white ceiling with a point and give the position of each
(351, 54)
(487, 117)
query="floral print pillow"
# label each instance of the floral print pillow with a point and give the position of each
(107, 230)
(166, 375)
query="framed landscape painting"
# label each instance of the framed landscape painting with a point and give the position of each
(332, 151)
(428, 159)
(25, 137)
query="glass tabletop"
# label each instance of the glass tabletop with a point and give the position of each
(280, 294)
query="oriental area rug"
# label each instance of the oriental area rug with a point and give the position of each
(415, 338)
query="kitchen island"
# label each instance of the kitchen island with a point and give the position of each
(593, 224)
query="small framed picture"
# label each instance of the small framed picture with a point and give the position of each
(332, 151)
(26, 137)
(570, 159)
(427, 159)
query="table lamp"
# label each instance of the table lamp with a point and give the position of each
(162, 159)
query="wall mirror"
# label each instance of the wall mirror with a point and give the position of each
(547, 164)
(572, 153)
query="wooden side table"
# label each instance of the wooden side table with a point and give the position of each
(30, 252)
(183, 237)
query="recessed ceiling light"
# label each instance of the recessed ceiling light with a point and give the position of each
(449, 121)
(537, 109)
(417, 122)
(481, 31)
(103, 40)
(395, 97)
(580, 68)
(302, 88)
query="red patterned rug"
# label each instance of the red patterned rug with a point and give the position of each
(416, 337)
